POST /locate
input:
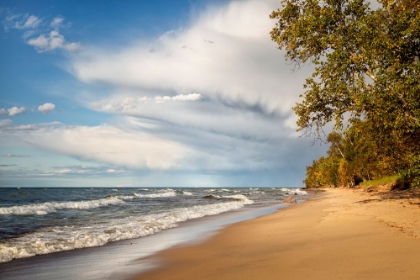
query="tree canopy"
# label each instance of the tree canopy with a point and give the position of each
(366, 70)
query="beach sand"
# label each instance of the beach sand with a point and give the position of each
(340, 234)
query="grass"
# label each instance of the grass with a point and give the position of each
(380, 181)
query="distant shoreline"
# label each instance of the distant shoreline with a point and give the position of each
(340, 234)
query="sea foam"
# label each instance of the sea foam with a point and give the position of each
(168, 193)
(51, 207)
(296, 191)
(55, 239)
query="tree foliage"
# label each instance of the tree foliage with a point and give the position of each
(366, 73)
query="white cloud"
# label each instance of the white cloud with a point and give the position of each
(162, 148)
(242, 116)
(15, 156)
(10, 19)
(62, 171)
(132, 102)
(5, 123)
(54, 41)
(30, 22)
(19, 21)
(42, 43)
(246, 88)
(15, 111)
(3, 112)
(212, 115)
(241, 64)
(72, 47)
(179, 97)
(28, 34)
(46, 108)
(57, 22)
(103, 144)
(215, 95)
(81, 170)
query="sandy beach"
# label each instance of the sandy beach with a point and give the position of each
(340, 234)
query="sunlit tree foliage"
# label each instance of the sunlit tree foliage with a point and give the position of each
(366, 75)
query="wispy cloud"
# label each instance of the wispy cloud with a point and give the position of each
(241, 64)
(105, 144)
(240, 117)
(15, 155)
(161, 147)
(30, 22)
(21, 21)
(9, 171)
(57, 22)
(179, 97)
(5, 123)
(246, 90)
(88, 170)
(213, 96)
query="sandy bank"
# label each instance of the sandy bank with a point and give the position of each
(343, 234)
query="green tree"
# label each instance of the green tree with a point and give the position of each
(366, 67)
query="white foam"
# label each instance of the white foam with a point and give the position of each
(211, 190)
(57, 239)
(239, 197)
(51, 207)
(297, 191)
(187, 193)
(169, 193)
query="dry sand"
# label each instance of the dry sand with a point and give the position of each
(341, 234)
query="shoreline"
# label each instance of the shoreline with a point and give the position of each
(120, 259)
(340, 234)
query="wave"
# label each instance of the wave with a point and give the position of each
(295, 191)
(169, 193)
(55, 239)
(51, 207)
(239, 197)
(235, 197)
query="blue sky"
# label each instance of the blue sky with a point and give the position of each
(147, 93)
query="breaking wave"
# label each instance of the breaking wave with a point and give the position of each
(55, 239)
(168, 193)
(51, 207)
(295, 191)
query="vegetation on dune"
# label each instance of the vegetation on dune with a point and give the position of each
(382, 181)
(366, 81)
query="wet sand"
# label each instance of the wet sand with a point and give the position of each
(341, 234)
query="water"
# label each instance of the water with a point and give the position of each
(35, 221)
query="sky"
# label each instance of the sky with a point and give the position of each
(148, 94)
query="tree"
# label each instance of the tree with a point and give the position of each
(367, 67)
(367, 61)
